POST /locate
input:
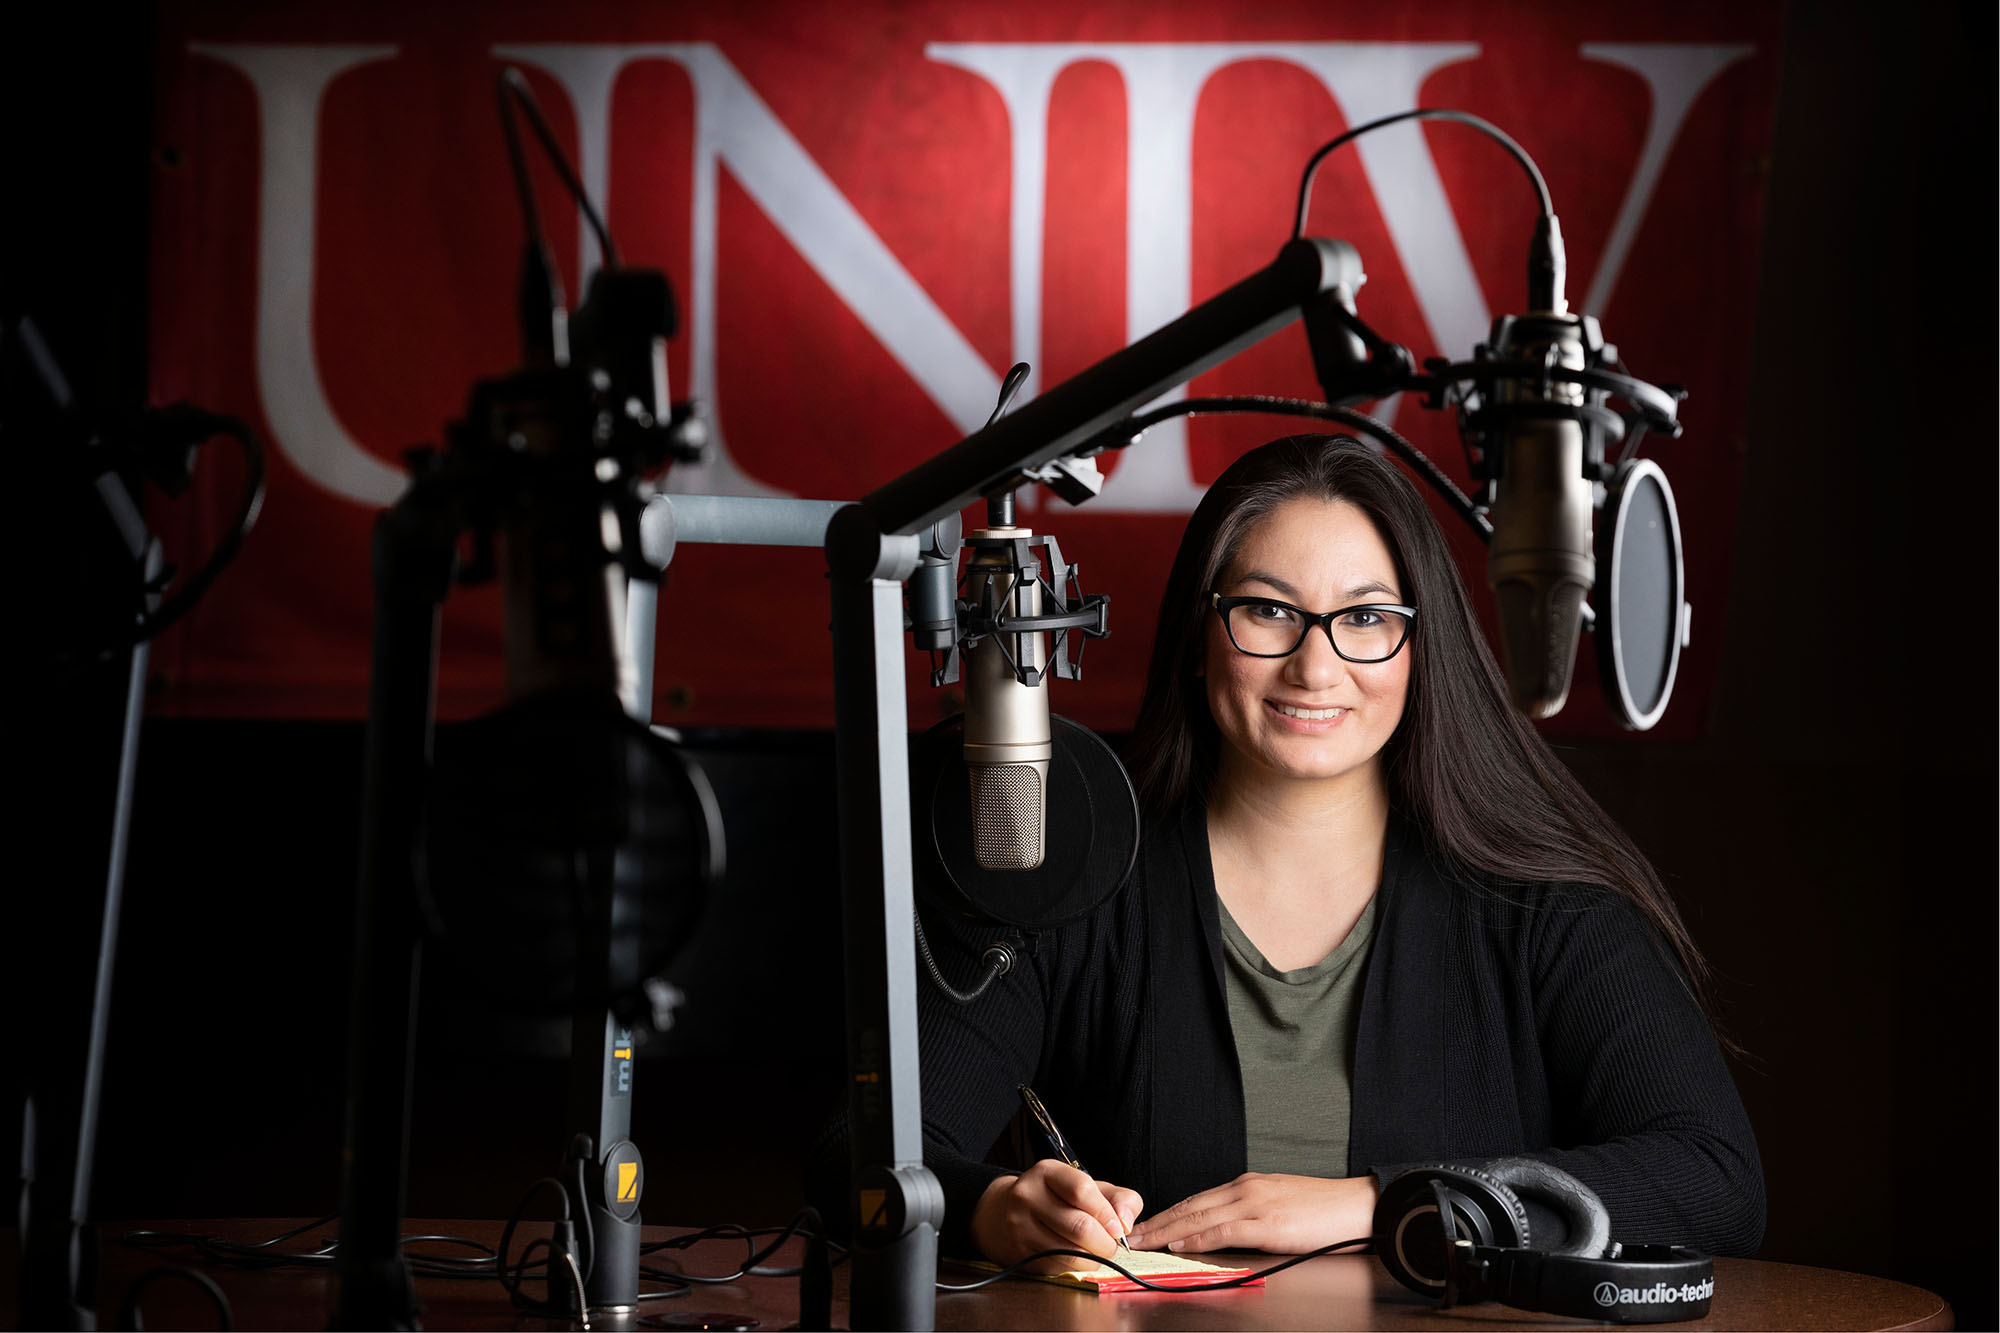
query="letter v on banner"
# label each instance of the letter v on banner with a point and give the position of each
(1367, 80)
(1163, 83)
(1676, 76)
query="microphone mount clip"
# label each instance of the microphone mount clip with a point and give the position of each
(1071, 609)
(1540, 380)
(1346, 376)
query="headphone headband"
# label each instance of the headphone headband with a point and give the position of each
(1644, 1284)
(1461, 1234)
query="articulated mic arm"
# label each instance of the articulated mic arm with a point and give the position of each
(872, 547)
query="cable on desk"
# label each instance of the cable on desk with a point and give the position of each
(540, 1258)
(815, 1274)
(751, 1265)
(733, 1229)
(239, 1254)
(1240, 1281)
(483, 1264)
(128, 1316)
(261, 1254)
(490, 1264)
(559, 1255)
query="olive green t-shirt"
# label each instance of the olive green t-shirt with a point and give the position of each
(1295, 1044)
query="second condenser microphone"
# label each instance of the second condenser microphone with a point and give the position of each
(1541, 562)
(1007, 737)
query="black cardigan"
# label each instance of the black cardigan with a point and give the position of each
(1547, 1021)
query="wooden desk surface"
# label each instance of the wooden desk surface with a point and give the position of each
(1335, 1292)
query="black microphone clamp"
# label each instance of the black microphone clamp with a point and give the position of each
(1548, 367)
(1003, 562)
(1353, 363)
(618, 336)
(932, 618)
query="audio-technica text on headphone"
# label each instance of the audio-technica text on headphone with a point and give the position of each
(1460, 1234)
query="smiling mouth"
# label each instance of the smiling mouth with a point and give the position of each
(1309, 714)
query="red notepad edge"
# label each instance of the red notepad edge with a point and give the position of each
(1117, 1284)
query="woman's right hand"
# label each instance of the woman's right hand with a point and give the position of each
(1050, 1206)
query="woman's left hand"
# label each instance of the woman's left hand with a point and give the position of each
(1281, 1214)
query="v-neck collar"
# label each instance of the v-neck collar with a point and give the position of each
(1398, 1112)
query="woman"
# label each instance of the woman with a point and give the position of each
(1374, 923)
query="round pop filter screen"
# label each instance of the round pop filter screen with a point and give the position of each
(1641, 584)
(1091, 841)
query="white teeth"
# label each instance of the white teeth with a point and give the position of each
(1310, 714)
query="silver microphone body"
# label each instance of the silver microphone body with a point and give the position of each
(1008, 743)
(1541, 562)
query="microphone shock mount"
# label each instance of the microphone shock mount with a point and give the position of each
(1005, 572)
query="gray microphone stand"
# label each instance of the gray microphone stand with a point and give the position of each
(871, 549)
(728, 520)
(61, 1066)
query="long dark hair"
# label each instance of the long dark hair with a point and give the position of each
(1477, 781)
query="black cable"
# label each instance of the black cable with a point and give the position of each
(510, 1278)
(128, 1317)
(486, 1252)
(261, 1254)
(239, 1254)
(1223, 1285)
(537, 1243)
(517, 158)
(513, 81)
(1017, 374)
(493, 1261)
(485, 1264)
(490, 1264)
(729, 1229)
(1422, 113)
(252, 504)
(589, 1231)
(144, 1239)
(999, 506)
(750, 1266)
(195, 426)
(1132, 427)
(999, 960)
(576, 1281)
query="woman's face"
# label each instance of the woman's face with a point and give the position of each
(1323, 556)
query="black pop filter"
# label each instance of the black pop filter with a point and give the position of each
(1092, 838)
(1642, 610)
(535, 815)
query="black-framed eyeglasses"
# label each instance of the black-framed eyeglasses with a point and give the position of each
(1265, 627)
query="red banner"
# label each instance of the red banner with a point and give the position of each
(869, 211)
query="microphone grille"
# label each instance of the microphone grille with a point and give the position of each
(1540, 619)
(1006, 816)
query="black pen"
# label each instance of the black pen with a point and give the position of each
(1056, 1140)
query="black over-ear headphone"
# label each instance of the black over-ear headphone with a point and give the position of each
(1460, 1234)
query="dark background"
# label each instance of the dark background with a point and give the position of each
(1832, 840)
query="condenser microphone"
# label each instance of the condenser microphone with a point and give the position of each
(1541, 561)
(1007, 739)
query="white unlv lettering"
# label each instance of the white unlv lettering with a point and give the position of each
(1163, 83)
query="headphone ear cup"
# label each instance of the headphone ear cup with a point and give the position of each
(1409, 1236)
(1586, 1222)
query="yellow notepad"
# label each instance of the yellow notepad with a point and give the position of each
(1157, 1266)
